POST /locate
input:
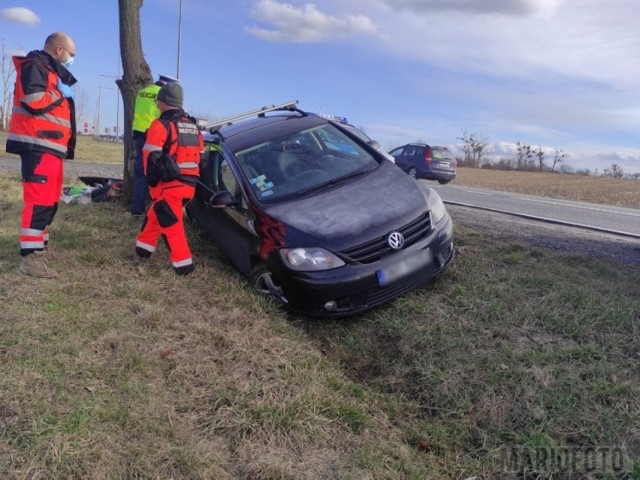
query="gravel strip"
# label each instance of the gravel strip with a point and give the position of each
(559, 238)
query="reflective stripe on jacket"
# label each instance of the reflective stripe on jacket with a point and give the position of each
(145, 110)
(177, 134)
(42, 119)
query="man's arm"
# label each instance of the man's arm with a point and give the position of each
(37, 99)
(156, 138)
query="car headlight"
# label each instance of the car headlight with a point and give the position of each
(436, 205)
(311, 259)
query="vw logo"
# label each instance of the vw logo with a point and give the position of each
(395, 240)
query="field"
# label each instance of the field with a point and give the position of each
(516, 362)
(606, 190)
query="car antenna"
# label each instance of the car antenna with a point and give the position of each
(216, 124)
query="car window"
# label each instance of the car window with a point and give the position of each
(396, 152)
(442, 153)
(228, 180)
(294, 164)
(410, 150)
(357, 132)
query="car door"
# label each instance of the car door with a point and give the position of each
(231, 227)
(398, 155)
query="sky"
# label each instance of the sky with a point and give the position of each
(555, 74)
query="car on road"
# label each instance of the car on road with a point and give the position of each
(425, 161)
(316, 218)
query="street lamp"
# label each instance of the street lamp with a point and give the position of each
(179, 40)
(96, 129)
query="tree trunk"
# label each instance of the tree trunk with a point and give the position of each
(136, 74)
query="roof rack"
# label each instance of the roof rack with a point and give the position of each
(216, 124)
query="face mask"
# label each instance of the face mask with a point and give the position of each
(68, 62)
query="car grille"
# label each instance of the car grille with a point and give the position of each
(382, 294)
(375, 249)
(441, 261)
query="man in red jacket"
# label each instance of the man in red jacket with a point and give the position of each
(43, 132)
(171, 159)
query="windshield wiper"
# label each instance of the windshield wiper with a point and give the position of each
(331, 183)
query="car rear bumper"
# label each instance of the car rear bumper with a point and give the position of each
(356, 288)
(437, 174)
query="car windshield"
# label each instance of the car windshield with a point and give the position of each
(302, 163)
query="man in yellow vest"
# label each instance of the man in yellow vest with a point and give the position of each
(145, 111)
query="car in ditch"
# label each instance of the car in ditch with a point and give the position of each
(316, 218)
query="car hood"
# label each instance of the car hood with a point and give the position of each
(373, 205)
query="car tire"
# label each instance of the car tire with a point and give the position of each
(443, 182)
(264, 284)
(413, 172)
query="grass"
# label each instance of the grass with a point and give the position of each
(116, 371)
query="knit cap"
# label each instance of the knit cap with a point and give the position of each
(171, 94)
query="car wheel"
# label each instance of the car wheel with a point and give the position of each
(413, 172)
(443, 182)
(263, 283)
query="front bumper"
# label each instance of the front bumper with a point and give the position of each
(355, 287)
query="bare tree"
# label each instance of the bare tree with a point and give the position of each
(135, 75)
(474, 147)
(524, 155)
(558, 157)
(614, 171)
(7, 69)
(540, 156)
(81, 98)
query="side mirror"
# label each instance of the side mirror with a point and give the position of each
(221, 199)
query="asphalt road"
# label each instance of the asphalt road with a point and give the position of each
(604, 218)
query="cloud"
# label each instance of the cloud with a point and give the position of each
(506, 7)
(304, 25)
(20, 15)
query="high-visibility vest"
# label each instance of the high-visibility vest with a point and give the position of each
(145, 109)
(177, 134)
(42, 120)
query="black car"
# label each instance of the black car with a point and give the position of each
(315, 217)
(425, 161)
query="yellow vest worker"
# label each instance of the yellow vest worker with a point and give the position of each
(145, 111)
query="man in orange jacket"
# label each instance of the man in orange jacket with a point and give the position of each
(171, 158)
(43, 132)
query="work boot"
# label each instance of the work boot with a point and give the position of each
(138, 260)
(48, 253)
(34, 265)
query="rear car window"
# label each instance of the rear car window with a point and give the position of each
(442, 153)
